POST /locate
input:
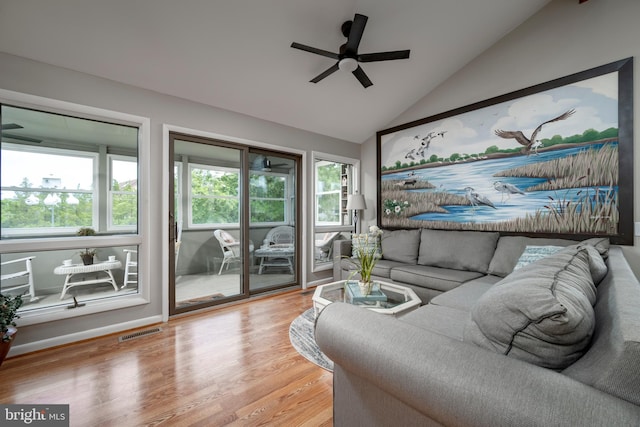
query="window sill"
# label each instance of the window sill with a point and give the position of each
(61, 312)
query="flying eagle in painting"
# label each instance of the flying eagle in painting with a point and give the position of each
(528, 142)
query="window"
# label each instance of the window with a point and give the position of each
(328, 193)
(334, 179)
(60, 173)
(123, 192)
(214, 195)
(46, 190)
(268, 197)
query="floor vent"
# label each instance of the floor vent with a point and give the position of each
(139, 334)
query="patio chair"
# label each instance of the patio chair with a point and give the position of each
(231, 249)
(282, 235)
(324, 247)
(130, 268)
(15, 278)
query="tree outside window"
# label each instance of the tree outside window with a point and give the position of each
(214, 195)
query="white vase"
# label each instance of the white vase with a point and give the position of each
(365, 288)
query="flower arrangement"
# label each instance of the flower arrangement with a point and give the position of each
(8, 313)
(394, 207)
(366, 251)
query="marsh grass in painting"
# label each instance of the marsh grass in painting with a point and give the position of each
(595, 210)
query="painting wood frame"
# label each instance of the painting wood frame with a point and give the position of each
(551, 160)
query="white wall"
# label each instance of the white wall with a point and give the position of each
(29, 77)
(562, 39)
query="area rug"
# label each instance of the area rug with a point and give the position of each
(302, 339)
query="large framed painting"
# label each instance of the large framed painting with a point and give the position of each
(554, 159)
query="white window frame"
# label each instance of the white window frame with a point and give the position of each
(110, 225)
(286, 199)
(317, 196)
(191, 197)
(316, 156)
(52, 231)
(141, 239)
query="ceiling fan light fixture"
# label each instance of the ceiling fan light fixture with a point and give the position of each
(348, 64)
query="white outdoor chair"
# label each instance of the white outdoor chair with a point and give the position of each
(14, 277)
(231, 249)
(324, 247)
(281, 235)
(130, 268)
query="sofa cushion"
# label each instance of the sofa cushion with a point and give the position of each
(541, 313)
(611, 364)
(442, 320)
(465, 296)
(459, 250)
(441, 279)
(510, 248)
(535, 253)
(401, 245)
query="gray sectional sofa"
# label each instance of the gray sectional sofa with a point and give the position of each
(554, 342)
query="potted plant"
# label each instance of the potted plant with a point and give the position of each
(366, 249)
(88, 254)
(8, 313)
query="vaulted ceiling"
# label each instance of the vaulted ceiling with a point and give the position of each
(237, 55)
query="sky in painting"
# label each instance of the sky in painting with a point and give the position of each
(594, 100)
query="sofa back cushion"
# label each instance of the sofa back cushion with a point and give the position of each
(458, 250)
(400, 245)
(542, 313)
(612, 363)
(510, 248)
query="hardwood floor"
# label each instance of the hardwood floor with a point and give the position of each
(228, 366)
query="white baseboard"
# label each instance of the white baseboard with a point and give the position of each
(84, 335)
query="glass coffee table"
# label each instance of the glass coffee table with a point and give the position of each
(400, 299)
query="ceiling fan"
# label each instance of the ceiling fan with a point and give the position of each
(349, 58)
(11, 126)
(262, 163)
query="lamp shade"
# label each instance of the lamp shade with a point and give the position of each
(356, 202)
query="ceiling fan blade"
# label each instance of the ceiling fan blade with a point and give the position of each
(355, 35)
(362, 77)
(314, 50)
(21, 138)
(384, 56)
(325, 73)
(11, 126)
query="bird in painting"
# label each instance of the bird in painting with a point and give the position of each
(477, 199)
(527, 143)
(537, 144)
(506, 188)
(410, 154)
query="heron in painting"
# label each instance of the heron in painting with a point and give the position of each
(477, 199)
(506, 188)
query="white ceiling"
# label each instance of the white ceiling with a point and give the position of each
(236, 54)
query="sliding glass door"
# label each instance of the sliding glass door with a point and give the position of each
(233, 222)
(273, 183)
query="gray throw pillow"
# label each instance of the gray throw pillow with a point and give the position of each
(400, 245)
(542, 313)
(458, 250)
